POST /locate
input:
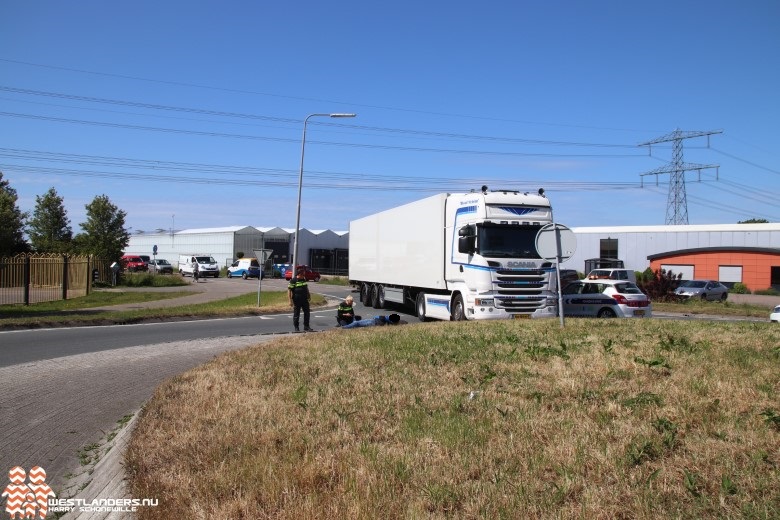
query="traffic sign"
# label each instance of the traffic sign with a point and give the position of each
(556, 242)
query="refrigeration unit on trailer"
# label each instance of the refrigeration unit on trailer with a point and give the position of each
(457, 256)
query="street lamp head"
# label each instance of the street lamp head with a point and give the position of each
(342, 115)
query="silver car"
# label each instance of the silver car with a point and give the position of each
(605, 299)
(703, 289)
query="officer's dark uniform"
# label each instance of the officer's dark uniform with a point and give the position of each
(298, 292)
(345, 314)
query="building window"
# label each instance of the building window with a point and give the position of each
(608, 248)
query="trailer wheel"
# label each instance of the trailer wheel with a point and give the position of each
(420, 304)
(458, 312)
(379, 297)
(365, 294)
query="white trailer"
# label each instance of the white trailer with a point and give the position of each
(456, 256)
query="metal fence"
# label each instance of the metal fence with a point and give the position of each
(26, 279)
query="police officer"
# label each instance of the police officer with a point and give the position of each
(298, 293)
(346, 313)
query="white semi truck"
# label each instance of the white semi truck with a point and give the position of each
(457, 256)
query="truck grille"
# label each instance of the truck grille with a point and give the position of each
(521, 290)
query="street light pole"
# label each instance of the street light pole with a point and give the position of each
(300, 188)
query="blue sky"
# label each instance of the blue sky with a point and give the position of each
(190, 114)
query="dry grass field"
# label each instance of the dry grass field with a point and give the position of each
(522, 419)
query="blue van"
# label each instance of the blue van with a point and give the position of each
(245, 268)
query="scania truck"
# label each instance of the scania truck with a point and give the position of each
(457, 256)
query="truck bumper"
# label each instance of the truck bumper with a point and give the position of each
(495, 313)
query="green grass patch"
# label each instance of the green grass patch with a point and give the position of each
(342, 281)
(151, 280)
(77, 311)
(727, 308)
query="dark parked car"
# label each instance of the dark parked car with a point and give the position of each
(703, 289)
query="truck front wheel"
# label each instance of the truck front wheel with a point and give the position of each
(458, 312)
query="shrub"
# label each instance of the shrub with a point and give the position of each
(739, 288)
(767, 292)
(659, 285)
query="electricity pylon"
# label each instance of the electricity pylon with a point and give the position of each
(677, 202)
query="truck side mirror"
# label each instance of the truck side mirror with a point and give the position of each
(467, 245)
(467, 231)
(467, 241)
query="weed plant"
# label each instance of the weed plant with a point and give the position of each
(602, 419)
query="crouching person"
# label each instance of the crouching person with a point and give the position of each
(346, 313)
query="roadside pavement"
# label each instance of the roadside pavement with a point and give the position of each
(70, 415)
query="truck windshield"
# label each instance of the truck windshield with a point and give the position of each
(507, 241)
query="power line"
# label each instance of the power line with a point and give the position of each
(395, 131)
(257, 93)
(297, 141)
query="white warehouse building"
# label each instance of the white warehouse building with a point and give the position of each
(319, 249)
(746, 253)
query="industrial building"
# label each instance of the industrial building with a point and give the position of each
(323, 250)
(730, 253)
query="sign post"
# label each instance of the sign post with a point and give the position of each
(262, 256)
(154, 254)
(556, 241)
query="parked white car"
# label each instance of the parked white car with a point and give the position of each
(605, 299)
(775, 316)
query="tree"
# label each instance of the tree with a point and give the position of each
(754, 221)
(12, 222)
(49, 228)
(104, 233)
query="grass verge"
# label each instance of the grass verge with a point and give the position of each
(726, 308)
(602, 419)
(76, 311)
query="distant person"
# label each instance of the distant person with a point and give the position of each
(195, 272)
(346, 313)
(393, 319)
(298, 293)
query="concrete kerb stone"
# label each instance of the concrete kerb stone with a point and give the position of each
(105, 478)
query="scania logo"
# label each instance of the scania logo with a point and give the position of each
(531, 265)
